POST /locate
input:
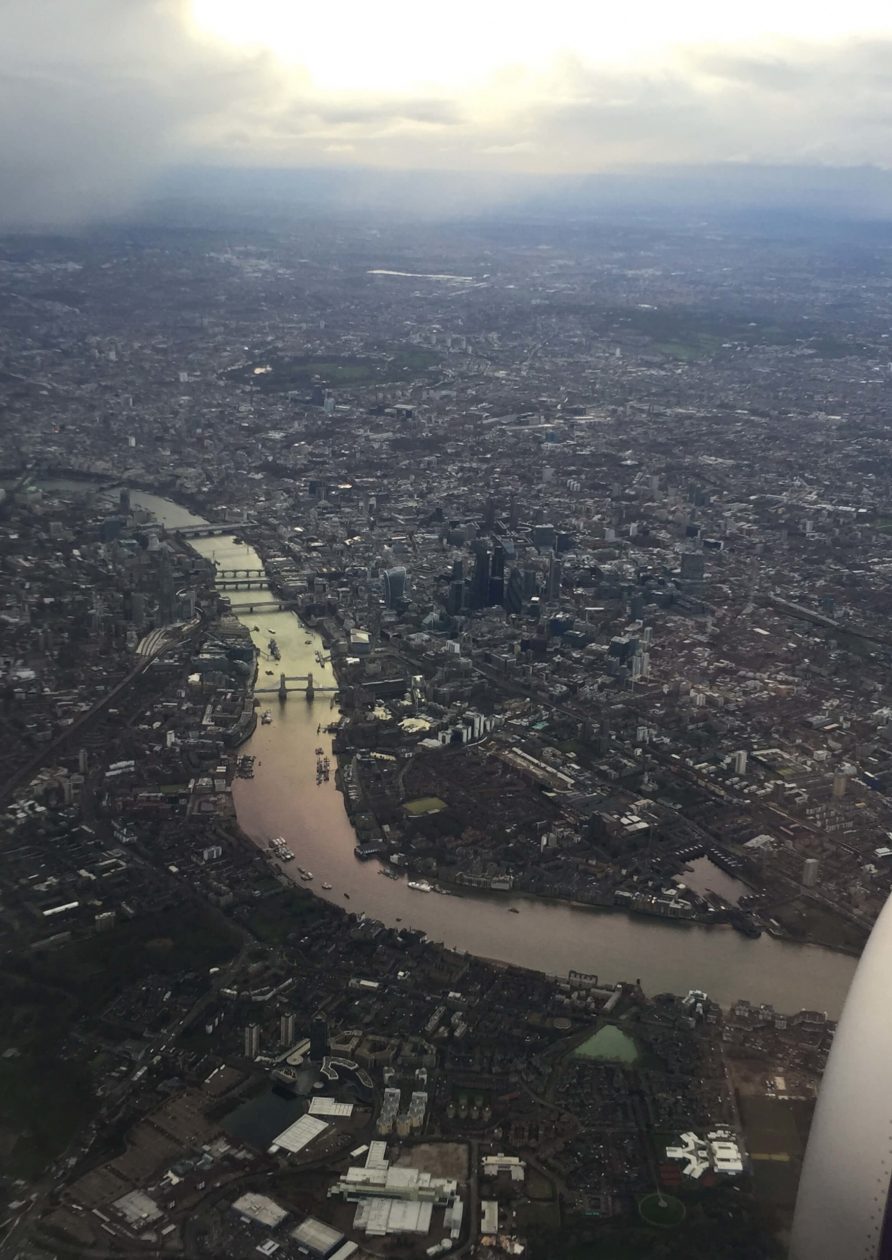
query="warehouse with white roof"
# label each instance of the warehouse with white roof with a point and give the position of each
(396, 1200)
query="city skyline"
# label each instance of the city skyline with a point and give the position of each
(445, 666)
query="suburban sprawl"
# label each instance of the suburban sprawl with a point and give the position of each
(445, 728)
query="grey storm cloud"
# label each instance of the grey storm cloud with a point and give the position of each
(97, 97)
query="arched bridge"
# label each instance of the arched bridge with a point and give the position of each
(207, 530)
(241, 583)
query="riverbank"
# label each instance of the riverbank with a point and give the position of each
(549, 935)
(804, 931)
(641, 906)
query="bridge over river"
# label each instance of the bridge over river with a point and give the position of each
(283, 690)
(264, 605)
(203, 529)
(242, 583)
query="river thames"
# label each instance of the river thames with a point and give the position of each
(284, 799)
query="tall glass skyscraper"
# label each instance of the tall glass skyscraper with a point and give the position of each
(394, 586)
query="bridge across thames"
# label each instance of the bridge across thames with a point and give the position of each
(207, 530)
(265, 605)
(283, 690)
(241, 583)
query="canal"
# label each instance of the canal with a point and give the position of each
(283, 799)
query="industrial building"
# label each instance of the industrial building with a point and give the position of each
(396, 1200)
(489, 1216)
(260, 1210)
(138, 1209)
(380, 1217)
(330, 1107)
(299, 1134)
(316, 1239)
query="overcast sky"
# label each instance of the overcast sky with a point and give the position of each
(98, 96)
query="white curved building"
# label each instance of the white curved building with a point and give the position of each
(844, 1205)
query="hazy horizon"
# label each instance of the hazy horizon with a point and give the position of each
(109, 98)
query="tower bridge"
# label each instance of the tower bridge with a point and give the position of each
(283, 690)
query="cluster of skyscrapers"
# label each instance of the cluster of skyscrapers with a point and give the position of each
(494, 581)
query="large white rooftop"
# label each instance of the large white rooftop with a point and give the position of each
(259, 1208)
(379, 1217)
(319, 1239)
(718, 1150)
(329, 1107)
(299, 1134)
(137, 1208)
